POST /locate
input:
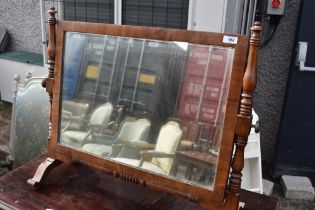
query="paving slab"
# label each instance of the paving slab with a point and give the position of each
(297, 187)
(267, 187)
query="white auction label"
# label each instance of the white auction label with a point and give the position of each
(230, 39)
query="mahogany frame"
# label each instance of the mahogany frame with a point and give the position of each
(237, 122)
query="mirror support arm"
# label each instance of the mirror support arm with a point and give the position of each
(48, 164)
(244, 118)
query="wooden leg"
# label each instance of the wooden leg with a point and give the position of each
(43, 171)
(174, 168)
(190, 170)
(200, 174)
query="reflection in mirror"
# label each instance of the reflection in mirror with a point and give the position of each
(155, 105)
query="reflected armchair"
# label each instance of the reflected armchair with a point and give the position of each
(129, 131)
(74, 114)
(99, 120)
(160, 159)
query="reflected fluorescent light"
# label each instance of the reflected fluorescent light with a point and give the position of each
(182, 45)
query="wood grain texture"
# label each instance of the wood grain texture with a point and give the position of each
(235, 121)
(244, 118)
(74, 186)
(171, 185)
(51, 49)
(49, 164)
(42, 172)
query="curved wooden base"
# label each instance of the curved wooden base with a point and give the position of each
(42, 172)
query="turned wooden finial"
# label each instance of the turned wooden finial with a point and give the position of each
(51, 51)
(245, 113)
(250, 76)
(51, 36)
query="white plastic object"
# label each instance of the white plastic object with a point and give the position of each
(302, 57)
(252, 172)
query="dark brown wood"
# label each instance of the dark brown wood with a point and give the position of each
(42, 172)
(234, 124)
(51, 50)
(49, 164)
(201, 161)
(258, 202)
(72, 186)
(244, 117)
(48, 84)
(204, 195)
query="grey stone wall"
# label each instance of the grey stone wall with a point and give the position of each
(21, 18)
(273, 70)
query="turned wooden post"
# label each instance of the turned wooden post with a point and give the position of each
(49, 163)
(244, 116)
(51, 51)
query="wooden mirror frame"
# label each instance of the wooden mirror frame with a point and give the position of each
(237, 122)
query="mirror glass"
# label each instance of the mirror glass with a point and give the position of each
(151, 104)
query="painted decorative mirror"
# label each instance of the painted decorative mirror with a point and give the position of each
(158, 107)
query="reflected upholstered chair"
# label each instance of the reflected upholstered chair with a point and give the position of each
(30, 120)
(74, 114)
(160, 159)
(99, 120)
(129, 131)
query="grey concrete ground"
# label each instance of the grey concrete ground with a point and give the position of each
(291, 204)
(285, 204)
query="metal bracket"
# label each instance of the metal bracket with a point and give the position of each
(302, 57)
